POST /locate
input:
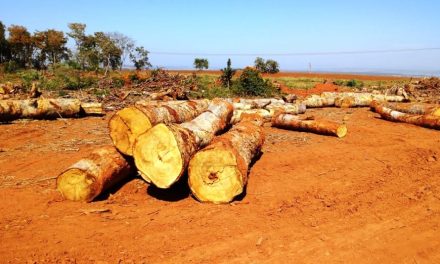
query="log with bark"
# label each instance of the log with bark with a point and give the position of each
(427, 120)
(348, 99)
(268, 112)
(162, 153)
(324, 127)
(127, 124)
(415, 108)
(219, 172)
(91, 176)
(42, 109)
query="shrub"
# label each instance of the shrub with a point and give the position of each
(355, 83)
(251, 83)
(29, 76)
(269, 66)
(11, 67)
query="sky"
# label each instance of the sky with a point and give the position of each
(213, 29)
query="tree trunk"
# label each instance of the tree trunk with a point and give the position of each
(348, 99)
(288, 121)
(127, 124)
(427, 120)
(219, 172)
(92, 108)
(415, 109)
(163, 152)
(89, 177)
(269, 111)
(39, 109)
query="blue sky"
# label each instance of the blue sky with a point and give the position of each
(258, 26)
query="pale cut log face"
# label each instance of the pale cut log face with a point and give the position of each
(341, 131)
(125, 126)
(214, 176)
(157, 156)
(75, 185)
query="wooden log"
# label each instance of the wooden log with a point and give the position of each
(162, 153)
(324, 127)
(92, 108)
(91, 176)
(427, 120)
(268, 112)
(219, 172)
(39, 109)
(415, 108)
(348, 99)
(127, 124)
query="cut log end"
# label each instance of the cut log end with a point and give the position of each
(341, 131)
(215, 176)
(75, 185)
(436, 112)
(125, 126)
(157, 156)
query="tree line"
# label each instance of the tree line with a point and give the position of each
(41, 49)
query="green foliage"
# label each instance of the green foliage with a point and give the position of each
(269, 66)
(29, 76)
(299, 83)
(350, 83)
(10, 67)
(250, 83)
(139, 57)
(227, 74)
(272, 66)
(117, 81)
(201, 63)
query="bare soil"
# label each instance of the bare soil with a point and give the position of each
(371, 197)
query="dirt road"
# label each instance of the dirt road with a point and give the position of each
(372, 197)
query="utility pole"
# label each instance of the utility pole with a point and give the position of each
(310, 68)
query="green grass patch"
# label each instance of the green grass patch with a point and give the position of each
(299, 83)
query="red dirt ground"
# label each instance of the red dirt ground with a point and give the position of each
(371, 197)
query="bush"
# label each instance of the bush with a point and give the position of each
(355, 83)
(269, 66)
(29, 76)
(251, 83)
(11, 67)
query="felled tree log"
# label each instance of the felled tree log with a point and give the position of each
(92, 108)
(127, 124)
(40, 109)
(268, 112)
(254, 103)
(429, 121)
(415, 109)
(348, 99)
(162, 153)
(324, 127)
(219, 172)
(91, 176)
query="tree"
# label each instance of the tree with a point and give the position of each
(269, 66)
(124, 43)
(77, 33)
(109, 53)
(227, 74)
(21, 45)
(139, 57)
(200, 63)
(260, 65)
(51, 46)
(4, 47)
(272, 66)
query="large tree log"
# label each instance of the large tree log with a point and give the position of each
(415, 108)
(348, 99)
(41, 109)
(268, 112)
(293, 122)
(429, 121)
(89, 177)
(219, 172)
(127, 124)
(163, 152)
